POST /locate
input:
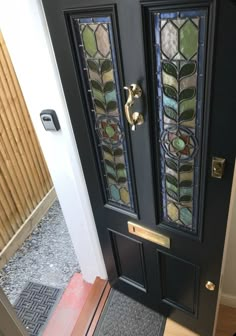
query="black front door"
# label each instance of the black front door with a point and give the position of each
(159, 196)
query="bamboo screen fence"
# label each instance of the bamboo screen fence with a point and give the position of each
(24, 177)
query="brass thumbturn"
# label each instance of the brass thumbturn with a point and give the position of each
(133, 118)
(210, 286)
(218, 167)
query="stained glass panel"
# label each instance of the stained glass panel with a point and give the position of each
(179, 47)
(96, 47)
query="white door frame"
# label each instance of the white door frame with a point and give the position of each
(25, 31)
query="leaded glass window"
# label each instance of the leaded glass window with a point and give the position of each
(97, 54)
(180, 48)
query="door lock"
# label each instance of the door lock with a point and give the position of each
(210, 286)
(217, 168)
(133, 118)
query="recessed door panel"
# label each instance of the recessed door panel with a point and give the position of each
(131, 269)
(179, 283)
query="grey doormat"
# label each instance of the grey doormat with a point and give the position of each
(34, 305)
(123, 316)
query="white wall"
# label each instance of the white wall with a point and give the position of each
(25, 31)
(228, 296)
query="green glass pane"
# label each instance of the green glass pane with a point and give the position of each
(109, 86)
(89, 41)
(121, 173)
(178, 144)
(170, 113)
(187, 94)
(187, 115)
(188, 39)
(185, 191)
(172, 195)
(99, 106)
(186, 216)
(172, 179)
(111, 106)
(170, 92)
(99, 95)
(110, 131)
(187, 69)
(106, 66)
(93, 65)
(188, 105)
(188, 167)
(171, 187)
(170, 69)
(115, 193)
(186, 198)
(172, 164)
(111, 96)
(111, 170)
(97, 85)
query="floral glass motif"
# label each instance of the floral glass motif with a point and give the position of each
(97, 54)
(179, 48)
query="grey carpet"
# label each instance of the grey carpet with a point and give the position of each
(35, 305)
(123, 316)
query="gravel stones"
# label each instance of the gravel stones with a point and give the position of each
(47, 257)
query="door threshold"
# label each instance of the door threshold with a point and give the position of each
(69, 308)
(92, 309)
(96, 300)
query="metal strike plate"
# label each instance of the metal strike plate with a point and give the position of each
(217, 168)
(148, 234)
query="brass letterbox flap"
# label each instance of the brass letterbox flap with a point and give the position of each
(148, 234)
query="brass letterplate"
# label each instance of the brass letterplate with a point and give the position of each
(148, 234)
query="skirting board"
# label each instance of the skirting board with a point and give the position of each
(228, 300)
(27, 227)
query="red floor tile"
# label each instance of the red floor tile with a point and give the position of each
(68, 309)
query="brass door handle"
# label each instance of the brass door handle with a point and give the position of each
(133, 118)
